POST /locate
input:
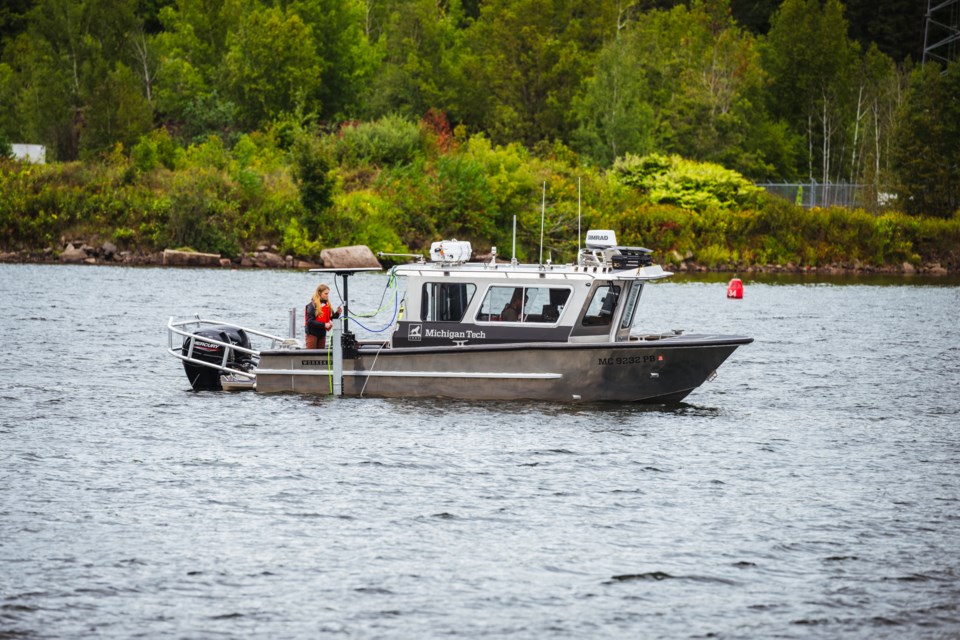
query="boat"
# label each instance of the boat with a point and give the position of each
(485, 330)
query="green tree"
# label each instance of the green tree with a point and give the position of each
(315, 175)
(118, 113)
(347, 58)
(196, 31)
(70, 48)
(894, 26)
(879, 89)
(754, 15)
(272, 67)
(525, 63)
(812, 64)
(614, 114)
(685, 81)
(189, 91)
(421, 50)
(8, 101)
(13, 19)
(926, 155)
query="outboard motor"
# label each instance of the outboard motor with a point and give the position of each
(208, 378)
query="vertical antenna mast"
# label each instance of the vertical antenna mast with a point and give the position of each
(513, 253)
(543, 207)
(578, 214)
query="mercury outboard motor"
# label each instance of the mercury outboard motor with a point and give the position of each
(208, 378)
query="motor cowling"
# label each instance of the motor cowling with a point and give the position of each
(204, 377)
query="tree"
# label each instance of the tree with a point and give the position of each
(686, 82)
(926, 156)
(118, 113)
(421, 49)
(878, 94)
(70, 49)
(812, 64)
(315, 176)
(189, 93)
(754, 15)
(13, 19)
(8, 93)
(271, 65)
(347, 58)
(614, 114)
(894, 26)
(525, 62)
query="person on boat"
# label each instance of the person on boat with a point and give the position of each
(319, 317)
(511, 312)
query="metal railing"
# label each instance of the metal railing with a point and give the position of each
(183, 329)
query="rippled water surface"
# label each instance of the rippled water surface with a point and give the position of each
(811, 490)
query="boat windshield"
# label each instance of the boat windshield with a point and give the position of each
(602, 305)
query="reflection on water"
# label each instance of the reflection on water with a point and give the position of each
(812, 489)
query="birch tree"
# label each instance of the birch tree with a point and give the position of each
(811, 62)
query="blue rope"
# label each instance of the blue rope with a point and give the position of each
(393, 320)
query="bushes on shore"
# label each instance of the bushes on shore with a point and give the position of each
(396, 187)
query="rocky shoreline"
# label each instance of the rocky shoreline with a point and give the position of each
(264, 257)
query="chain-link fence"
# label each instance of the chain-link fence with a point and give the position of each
(814, 194)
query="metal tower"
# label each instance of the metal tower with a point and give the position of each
(941, 35)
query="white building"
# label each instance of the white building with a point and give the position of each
(35, 153)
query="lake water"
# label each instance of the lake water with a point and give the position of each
(811, 490)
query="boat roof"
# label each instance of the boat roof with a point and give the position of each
(485, 270)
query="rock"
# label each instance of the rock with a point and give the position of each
(72, 255)
(908, 268)
(354, 257)
(225, 262)
(174, 258)
(269, 260)
(303, 264)
(936, 269)
(107, 250)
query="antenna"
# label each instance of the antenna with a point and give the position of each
(513, 254)
(543, 206)
(579, 178)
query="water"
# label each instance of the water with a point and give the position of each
(811, 490)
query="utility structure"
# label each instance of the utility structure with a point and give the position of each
(941, 33)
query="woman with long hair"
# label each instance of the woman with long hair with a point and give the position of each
(318, 317)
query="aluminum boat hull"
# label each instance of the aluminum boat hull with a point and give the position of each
(659, 371)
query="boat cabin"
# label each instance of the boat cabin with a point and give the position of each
(455, 302)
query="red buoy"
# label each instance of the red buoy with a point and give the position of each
(735, 289)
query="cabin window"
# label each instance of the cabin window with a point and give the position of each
(523, 304)
(446, 301)
(630, 306)
(602, 305)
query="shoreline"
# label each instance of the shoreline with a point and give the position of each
(269, 258)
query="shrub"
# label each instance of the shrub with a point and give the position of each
(685, 183)
(363, 217)
(392, 140)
